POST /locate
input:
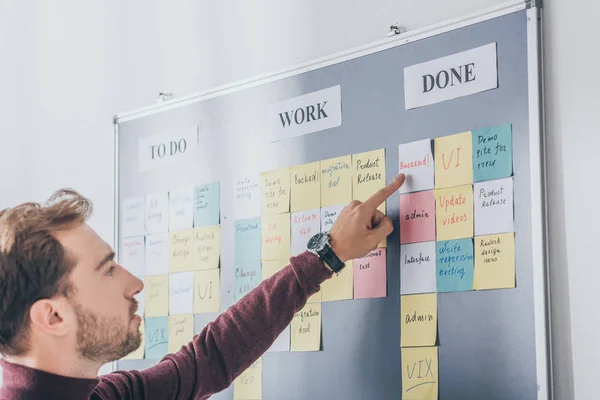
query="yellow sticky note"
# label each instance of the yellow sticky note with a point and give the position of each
(305, 183)
(271, 267)
(138, 354)
(181, 331)
(494, 262)
(453, 160)
(182, 251)
(420, 377)
(369, 175)
(418, 320)
(340, 286)
(157, 296)
(275, 233)
(336, 181)
(207, 291)
(275, 189)
(207, 245)
(248, 386)
(306, 328)
(454, 212)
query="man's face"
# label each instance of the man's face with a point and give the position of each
(103, 302)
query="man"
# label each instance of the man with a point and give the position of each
(67, 308)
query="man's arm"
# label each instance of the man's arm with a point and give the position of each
(229, 345)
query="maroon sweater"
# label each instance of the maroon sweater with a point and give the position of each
(207, 365)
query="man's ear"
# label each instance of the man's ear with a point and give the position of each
(52, 316)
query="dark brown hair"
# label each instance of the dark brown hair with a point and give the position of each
(33, 264)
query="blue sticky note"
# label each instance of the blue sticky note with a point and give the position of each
(247, 240)
(454, 265)
(207, 206)
(492, 153)
(247, 277)
(156, 338)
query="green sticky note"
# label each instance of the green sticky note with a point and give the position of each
(156, 338)
(207, 207)
(492, 153)
(247, 240)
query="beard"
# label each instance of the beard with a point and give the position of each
(104, 339)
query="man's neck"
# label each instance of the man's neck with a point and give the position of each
(73, 368)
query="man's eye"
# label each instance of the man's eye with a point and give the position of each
(111, 270)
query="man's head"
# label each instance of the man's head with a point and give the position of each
(60, 285)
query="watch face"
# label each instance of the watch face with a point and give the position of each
(317, 242)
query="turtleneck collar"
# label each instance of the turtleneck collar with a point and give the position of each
(27, 383)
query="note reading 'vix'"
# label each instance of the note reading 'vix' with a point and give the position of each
(156, 338)
(420, 373)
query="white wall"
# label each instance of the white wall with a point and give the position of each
(67, 67)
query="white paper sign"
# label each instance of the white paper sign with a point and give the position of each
(247, 197)
(282, 343)
(447, 78)
(329, 215)
(157, 212)
(494, 208)
(157, 254)
(304, 225)
(309, 113)
(181, 293)
(168, 151)
(418, 268)
(141, 299)
(132, 217)
(416, 162)
(133, 255)
(181, 209)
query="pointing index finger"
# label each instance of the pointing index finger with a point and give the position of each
(382, 194)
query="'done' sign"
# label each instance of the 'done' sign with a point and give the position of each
(164, 151)
(447, 78)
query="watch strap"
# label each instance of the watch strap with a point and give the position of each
(330, 258)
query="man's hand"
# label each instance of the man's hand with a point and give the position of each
(361, 226)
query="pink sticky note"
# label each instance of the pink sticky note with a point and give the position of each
(417, 217)
(370, 275)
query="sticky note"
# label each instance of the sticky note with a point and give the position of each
(418, 320)
(248, 386)
(492, 153)
(454, 212)
(305, 183)
(417, 217)
(207, 242)
(494, 262)
(275, 237)
(138, 354)
(306, 328)
(182, 251)
(157, 295)
(453, 160)
(494, 207)
(181, 209)
(275, 191)
(181, 331)
(133, 254)
(207, 204)
(282, 343)
(370, 275)
(156, 340)
(416, 162)
(336, 181)
(207, 286)
(157, 212)
(340, 286)
(132, 217)
(369, 175)
(247, 240)
(271, 267)
(247, 197)
(157, 254)
(454, 265)
(420, 378)
(329, 215)
(418, 268)
(181, 293)
(247, 278)
(304, 225)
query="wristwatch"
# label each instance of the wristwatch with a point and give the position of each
(321, 246)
